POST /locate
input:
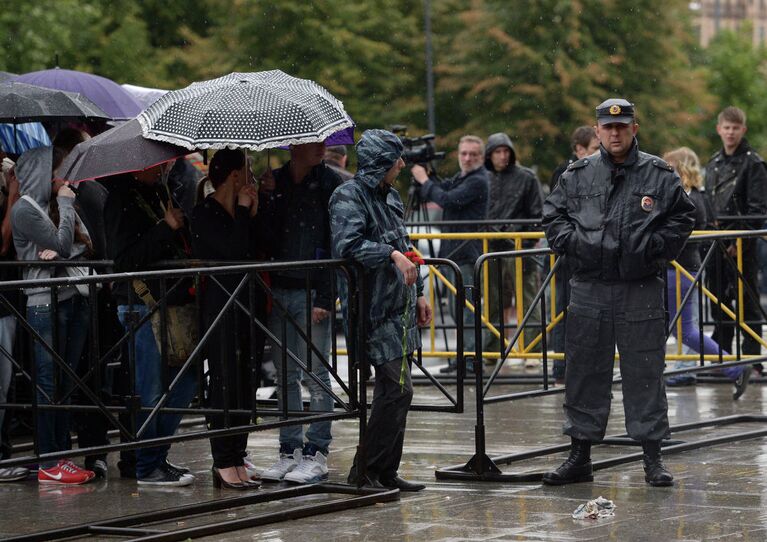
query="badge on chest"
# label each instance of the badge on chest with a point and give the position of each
(647, 204)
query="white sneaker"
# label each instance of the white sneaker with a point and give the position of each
(312, 469)
(283, 466)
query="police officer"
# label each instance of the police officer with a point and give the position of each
(618, 216)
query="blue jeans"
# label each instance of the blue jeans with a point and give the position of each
(149, 386)
(72, 321)
(318, 434)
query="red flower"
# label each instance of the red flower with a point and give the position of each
(414, 257)
(192, 291)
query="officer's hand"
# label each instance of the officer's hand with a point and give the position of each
(419, 173)
(406, 267)
(318, 315)
(422, 312)
(732, 250)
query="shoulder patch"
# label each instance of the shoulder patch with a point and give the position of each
(662, 164)
(578, 164)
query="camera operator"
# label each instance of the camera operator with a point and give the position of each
(462, 197)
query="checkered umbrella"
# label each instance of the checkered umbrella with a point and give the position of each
(256, 111)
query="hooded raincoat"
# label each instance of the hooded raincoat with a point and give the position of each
(515, 192)
(366, 222)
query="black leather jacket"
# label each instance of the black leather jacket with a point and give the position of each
(618, 221)
(737, 185)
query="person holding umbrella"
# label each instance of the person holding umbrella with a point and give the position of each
(39, 236)
(224, 228)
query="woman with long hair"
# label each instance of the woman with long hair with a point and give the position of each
(223, 228)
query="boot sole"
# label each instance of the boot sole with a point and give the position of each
(578, 480)
(660, 484)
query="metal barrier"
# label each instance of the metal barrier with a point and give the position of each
(481, 467)
(240, 303)
(526, 349)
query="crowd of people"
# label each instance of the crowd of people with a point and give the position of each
(616, 215)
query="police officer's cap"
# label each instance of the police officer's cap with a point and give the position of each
(615, 110)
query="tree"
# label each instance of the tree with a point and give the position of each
(538, 69)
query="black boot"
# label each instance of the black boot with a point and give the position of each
(655, 472)
(576, 468)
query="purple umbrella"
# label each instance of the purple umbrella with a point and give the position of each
(108, 95)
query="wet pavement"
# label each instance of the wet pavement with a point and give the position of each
(719, 494)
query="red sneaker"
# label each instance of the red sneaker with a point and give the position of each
(65, 472)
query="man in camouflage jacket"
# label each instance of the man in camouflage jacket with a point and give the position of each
(366, 222)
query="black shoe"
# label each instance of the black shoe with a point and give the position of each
(98, 466)
(179, 468)
(741, 383)
(655, 472)
(576, 468)
(449, 369)
(402, 485)
(371, 480)
(163, 477)
(219, 482)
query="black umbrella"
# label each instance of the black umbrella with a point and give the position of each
(20, 102)
(119, 150)
(256, 111)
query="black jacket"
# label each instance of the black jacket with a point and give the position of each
(557, 173)
(462, 197)
(690, 258)
(297, 222)
(138, 238)
(618, 221)
(218, 236)
(737, 185)
(514, 193)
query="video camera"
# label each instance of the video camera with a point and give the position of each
(418, 150)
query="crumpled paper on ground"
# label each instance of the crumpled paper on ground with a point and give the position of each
(596, 509)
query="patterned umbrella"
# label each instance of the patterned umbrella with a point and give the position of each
(256, 111)
(19, 138)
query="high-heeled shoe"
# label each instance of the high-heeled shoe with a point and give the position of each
(219, 482)
(243, 471)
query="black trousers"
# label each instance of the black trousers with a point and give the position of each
(723, 283)
(601, 315)
(385, 432)
(233, 378)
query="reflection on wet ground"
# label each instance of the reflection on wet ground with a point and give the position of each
(719, 492)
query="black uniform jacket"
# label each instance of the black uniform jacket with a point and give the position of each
(737, 185)
(618, 221)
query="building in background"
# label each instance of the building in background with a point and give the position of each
(711, 16)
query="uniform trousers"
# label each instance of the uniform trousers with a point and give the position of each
(602, 314)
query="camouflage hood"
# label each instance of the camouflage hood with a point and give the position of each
(377, 152)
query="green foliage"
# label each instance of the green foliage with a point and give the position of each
(533, 69)
(537, 70)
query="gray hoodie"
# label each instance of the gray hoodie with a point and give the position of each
(33, 232)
